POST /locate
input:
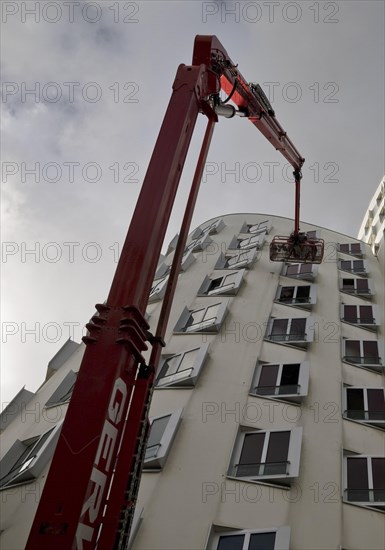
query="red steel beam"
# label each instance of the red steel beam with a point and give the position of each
(70, 510)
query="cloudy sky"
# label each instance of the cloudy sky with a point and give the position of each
(84, 89)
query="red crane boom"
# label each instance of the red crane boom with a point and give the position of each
(91, 488)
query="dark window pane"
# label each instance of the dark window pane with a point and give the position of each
(355, 403)
(376, 404)
(366, 313)
(297, 329)
(303, 293)
(278, 447)
(287, 293)
(352, 349)
(157, 430)
(346, 264)
(268, 380)
(350, 313)
(289, 379)
(357, 479)
(370, 350)
(262, 541)
(215, 283)
(279, 329)
(378, 471)
(306, 268)
(292, 269)
(251, 454)
(362, 285)
(355, 248)
(344, 248)
(358, 265)
(231, 542)
(348, 284)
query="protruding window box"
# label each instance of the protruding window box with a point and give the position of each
(288, 381)
(358, 287)
(306, 272)
(357, 267)
(298, 332)
(182, 369)
(267, 455)
(227, 284)
(354, 249)
(361, 315)
(207, 318)
(304, 296)
(364, 481)
(366, 405)
(363, 353)
(232, 260)
(162, 433)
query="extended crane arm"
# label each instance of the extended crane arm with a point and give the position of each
(91, 488)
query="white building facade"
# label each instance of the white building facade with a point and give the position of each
(373, 224)
(268, 415)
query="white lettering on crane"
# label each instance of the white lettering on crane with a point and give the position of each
(102, 464)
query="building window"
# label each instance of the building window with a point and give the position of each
(365, 480)
(261, 227)
(272, 455)
(363, 316)
(213, 228)
(353, 266)
(365, 405)
(158, 289)
(182, 369)
(363, 353)
(354, 249)
(303, 296)
(283, 380)
(267, 539)
(25, 460)
(199, 244)
(244, 243)
(227, 285)
(297, 331)
(205, 319)
(162, 433)
(300, 271)
(244, 258)
(63, 392)
(358, 287)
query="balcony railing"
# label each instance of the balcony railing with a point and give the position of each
(299, 337)
(278, 390)
(366, 360)
(365, 495)
(359, 321)
(260, 469)
(304, 300)
(365, 415)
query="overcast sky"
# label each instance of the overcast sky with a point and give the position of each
(85, 88)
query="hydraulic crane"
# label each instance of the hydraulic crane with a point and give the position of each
(91, 488)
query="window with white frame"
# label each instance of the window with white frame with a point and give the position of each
(354, 249)
(244, 243)
(211, 229)
(303, 296)
(365, 480)
(182, 369)
(261, 227)
(267, 455)
(246, 539)
(158, 289)
(362, 315)
(362, 352)
(199, 244)
(25, 460)
(283, 380)
(162, 433)
(207, 318)
(225, 284)
(298, 331)
(358, 287)
(353, 266)
(244, 258)
(300, 271)
(365, 404)
(63, 392)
